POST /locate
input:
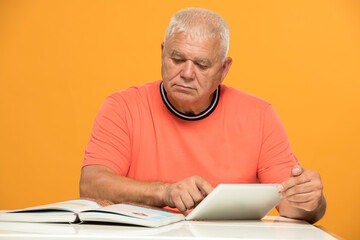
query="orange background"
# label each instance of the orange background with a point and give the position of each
(60, 59)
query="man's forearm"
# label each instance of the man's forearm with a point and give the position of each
(100, 182)
(286, 210)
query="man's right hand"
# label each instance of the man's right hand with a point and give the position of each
(101, 182)
(187, 193)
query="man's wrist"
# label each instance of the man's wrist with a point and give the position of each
(155, 194)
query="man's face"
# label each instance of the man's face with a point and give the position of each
(192, 70)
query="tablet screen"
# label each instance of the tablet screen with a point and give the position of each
(237, 201)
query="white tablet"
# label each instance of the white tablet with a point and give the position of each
(237, 201)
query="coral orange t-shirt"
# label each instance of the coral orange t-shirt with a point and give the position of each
(238, 139)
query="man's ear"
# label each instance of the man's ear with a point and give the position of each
(162, 48)
(226, 67)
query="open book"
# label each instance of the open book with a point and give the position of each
(84, 210)
(226, 201)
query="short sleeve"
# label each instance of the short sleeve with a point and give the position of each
(276, 156)
(109, 143)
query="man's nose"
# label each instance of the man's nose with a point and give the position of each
(188, 70)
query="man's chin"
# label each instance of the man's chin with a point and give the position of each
(181, 97)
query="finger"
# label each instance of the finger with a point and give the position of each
(203, 186)
(298, 189)
(293, 181)
(197, 195)
(179, 204)
(301, 197)
(296, 171)
(187, 200)
(203, 193)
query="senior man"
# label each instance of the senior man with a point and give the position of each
(169, 142)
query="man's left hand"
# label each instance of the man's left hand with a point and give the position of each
(303, 189)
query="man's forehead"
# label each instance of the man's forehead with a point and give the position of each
(204, 49)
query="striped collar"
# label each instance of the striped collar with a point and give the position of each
(181, 115)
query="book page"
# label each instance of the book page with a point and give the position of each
(75, 206)
(135, 212)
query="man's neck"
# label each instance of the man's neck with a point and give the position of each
(192, 108)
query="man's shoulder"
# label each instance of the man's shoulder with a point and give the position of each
(136, 92)
(239, 96)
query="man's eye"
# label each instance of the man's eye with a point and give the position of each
(177, 61)
(202, 67)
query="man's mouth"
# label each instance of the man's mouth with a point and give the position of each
(184, 87)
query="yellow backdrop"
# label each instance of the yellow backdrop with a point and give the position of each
(60, 59)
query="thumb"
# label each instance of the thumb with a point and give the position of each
(296, 171)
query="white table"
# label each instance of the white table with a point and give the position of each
(267, 228)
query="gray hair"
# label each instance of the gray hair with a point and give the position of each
(199, 22)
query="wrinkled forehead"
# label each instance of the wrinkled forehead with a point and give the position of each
(180, 43)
